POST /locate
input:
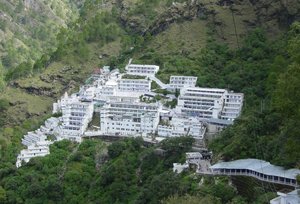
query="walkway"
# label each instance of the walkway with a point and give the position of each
(159, 82)
(258, 169)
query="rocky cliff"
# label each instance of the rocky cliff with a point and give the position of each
(228, 18)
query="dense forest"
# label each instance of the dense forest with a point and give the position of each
(269, 129)
(266, 70)
(125, 171)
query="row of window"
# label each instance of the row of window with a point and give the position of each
(198, 100)
(183, 78)
(124, 81)
(182, 82)
(260, 175)
(202, 95)
(206, 91)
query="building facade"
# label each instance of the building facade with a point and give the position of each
(39, 149)
(144, 70)
(232, 106)
(178, 82)
(75, 119)
(134, 85)
(182, 126)
(292, 197)
(210, 103)
(201, 102)
(121, 118)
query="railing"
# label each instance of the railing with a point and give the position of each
(264, 177)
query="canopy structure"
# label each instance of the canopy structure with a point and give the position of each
(259, 169)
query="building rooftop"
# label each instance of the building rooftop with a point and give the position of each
(292, 197)
(193, 155)
(259, 166)
(219, 121)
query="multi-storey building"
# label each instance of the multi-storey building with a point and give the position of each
(232, 106)
(38, 149)
(33, 137)
(123, 118)
(209, 103)
(87, 94)
(178, 82)
(201, 102)
(144, 70)
(75, 118)
(134, 85)
(65, 99)
(182, 126)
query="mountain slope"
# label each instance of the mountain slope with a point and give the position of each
(28, 28)
(183, 38)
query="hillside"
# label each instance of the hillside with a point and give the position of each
(246, 46)
(28, 28)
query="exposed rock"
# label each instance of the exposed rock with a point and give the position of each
(187, 11)
(45, 91)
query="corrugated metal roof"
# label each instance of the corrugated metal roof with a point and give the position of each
(259, 166)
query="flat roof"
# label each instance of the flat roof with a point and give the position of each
(143, 65)
(205, 89)
(193, 154)
(183, 76)
(111, 83)
(259, 166)
(220, 121)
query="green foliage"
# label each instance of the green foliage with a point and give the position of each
(188, 199)
(54, 178)
(2, 80)
(22, 70)
(4, 104)
(268, 129)
(57, 115)
(128, 76)
(132, 173)
(176, 149)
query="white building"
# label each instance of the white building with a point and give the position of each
(65, 99)
(122, 118)
(39, 149)
(232, 106)
(139, 69)
(178, 82)
(75, 118)
(292, 197)
(181, 126)
(193, 157)
(33, 137)
(87, 94)
(201, 102)
(134, 85)
(209, 103)
(178, 168)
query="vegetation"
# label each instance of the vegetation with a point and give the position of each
(128, 76)
(124, 172)
(26, 34)
(265, 70)
(268, 128)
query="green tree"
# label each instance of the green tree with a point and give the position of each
(2, 195)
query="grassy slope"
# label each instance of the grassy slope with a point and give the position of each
(27, 104)
(28, 28)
